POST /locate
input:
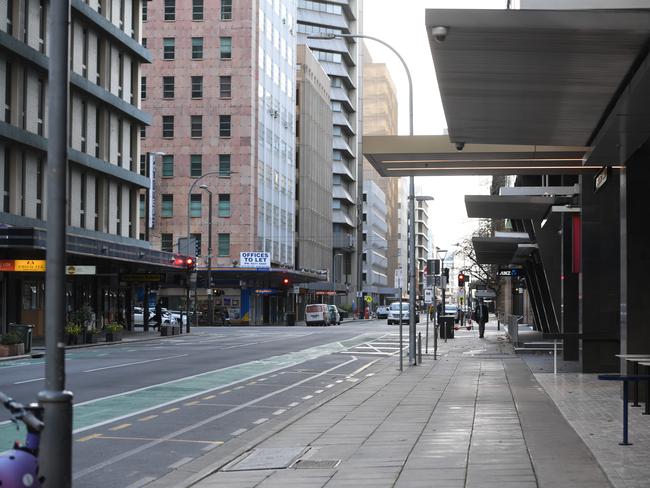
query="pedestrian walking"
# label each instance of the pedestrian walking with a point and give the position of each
(158, 315)
(481, 315)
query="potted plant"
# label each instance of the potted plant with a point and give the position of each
(72, 332)
(91, 335)
(114, 332)
(11, 345)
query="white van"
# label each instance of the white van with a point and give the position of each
(317, 314)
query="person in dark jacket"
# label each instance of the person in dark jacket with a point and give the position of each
(481, 315)
(158, 315)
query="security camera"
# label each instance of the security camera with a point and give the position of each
(460, 146)
(440, 33)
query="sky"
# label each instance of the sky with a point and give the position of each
(404, 29)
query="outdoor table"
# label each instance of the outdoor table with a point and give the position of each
(635, 359)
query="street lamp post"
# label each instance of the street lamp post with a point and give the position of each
(210, 295)
(411, 208)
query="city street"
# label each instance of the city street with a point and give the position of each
(143, 409)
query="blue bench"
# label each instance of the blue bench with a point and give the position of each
(625, 378)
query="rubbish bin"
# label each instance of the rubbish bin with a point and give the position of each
(24, 331)
(290, 318)
(446, 323)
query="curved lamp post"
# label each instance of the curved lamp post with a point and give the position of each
(411, 240)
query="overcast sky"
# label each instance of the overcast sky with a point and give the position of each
(401, 24)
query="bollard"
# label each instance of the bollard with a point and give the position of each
(419, 347)
(435, 342)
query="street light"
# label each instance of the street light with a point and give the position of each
(210, 296)
(411, 240)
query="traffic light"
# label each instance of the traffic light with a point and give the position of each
(461, 280)
(286, 281)
(190, 263)
(445, 273)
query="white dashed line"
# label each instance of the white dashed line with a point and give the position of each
(238, 387)
(142, 482)
(180, 462)
(307, 397)
(260, 421)
(211, 446)
(330, 385)
(319, 391)
(294, 404)
(370, 374)
(339, 381)
(238, 432)
(352, 380)
(280, 411)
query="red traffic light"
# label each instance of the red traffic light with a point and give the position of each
(461, 279)
(189, 263)
(285, 281)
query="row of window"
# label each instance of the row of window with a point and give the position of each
(196, 126)
(169, 12)
(167, 205)
(196, 165)
(223, 243)
(169, 87)
(169, 48)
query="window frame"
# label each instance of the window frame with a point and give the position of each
(168, 86)
(169, 10)
(194, 82)
(223, 93)
(169, 48)
(197, 10)
(196, 160)
(221, 246)
(197, 48)
(222, 42)
(196, 126)
(167, 205)
(222, 164)
(222, 127)
(224, 207)
(167, 166)
(196, 205)
(167, 119)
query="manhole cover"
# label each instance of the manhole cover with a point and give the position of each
(267, 458)
(316, 464)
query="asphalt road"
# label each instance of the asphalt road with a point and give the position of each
(143, 409)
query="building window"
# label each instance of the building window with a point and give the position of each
(42, 25)
(168, 87)
(120, 141)
(84, 53)
(197, 86)
(196, 165)
(197, 9)
(8, 90)
(144, 11)
(224, 205)
(225, 47)
(167, 242)
(168, 166)
(143, 132)
(144, 42)
(223, 246)
(226, 9)
(143, 87)
(170, 9)
(168, 126)
(196, 126)
(167, 207)
(142, 205)
(41, 106)
(225, 86)
(197, 48)
(224, 164)
(84, 126)
(169, 48)
(39, 192)
(224, 126)
(195, 205)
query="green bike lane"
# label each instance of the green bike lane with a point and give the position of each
(94, 413)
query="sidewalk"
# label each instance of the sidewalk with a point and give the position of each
(476, 417)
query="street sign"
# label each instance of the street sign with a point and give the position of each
(428, 296)
(80, 270)
(601, 177)
(296, 289)
(359, 294)
(368, 298)
(398, 278)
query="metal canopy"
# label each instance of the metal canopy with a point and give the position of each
(533, 76)
(436, 156)
(508, 207)
(497, 250)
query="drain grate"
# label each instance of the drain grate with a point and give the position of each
(316, 464)
(267, 458)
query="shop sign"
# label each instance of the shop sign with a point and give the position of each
(325, 292)
(266, 291)
(23, 265)
(602, 177)
(80, 270)
(250, 259)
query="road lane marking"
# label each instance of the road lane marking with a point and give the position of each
(28, 381)
(172, 435)
(339, 381)
(262, 379)
(170, 410)
(120, 427)
(330, 385)
(180, 462)
(307, 397)
(189, 404)
(279, 411)
(142, 482)
(260, 421)
(149, 439)
(212, 446)
(132, 364)
(147, 418)
(209, 397)
(89, 437)
(319, 391)
(294, 404)
(364, 367)
(238, 432)
(238, 387)
(251, 383)
(224, 392)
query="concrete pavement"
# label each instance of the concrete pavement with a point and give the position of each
(477, 417)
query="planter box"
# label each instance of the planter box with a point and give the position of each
(167, 330)
(113, 336)
(71, 340)
(12, 350)
(90, 338)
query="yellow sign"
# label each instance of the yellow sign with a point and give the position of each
(34, 265)
(368, 298)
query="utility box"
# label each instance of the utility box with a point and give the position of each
(446, 326)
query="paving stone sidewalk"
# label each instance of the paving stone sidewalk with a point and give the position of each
(476, 417)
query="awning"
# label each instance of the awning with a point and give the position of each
(509, 207)
(436, 156)
(497, 250)
(533, 76)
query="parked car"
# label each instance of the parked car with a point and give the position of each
(335, 316)
(452, 309)
(382, 312)
(317, 314)
(394, 313)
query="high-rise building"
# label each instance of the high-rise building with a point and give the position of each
(103, 177)
(380, 118)
(375, 244)
(221, 91)
(340, 58)
(422, 243)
